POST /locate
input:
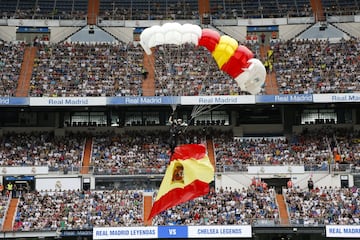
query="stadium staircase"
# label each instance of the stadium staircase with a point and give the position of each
(271, 86)
(148, 85)
(23, 86)
(87, 156)
(283, 213)
(318, 10)
(147, 204)
(10, 215)
(211, 151)
(93, 11)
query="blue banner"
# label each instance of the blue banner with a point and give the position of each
(19, 178)
(285, 98)
(180, 100)
(173, 231)
(11, 101)
(263, 28)
(33, 30)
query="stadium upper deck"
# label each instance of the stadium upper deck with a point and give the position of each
(170, 9)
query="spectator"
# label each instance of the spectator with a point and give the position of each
(289, 184)
(10, 188)
(310, 184)
(263, 38)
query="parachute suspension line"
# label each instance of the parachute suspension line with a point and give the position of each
(166, 55)
(199, 110)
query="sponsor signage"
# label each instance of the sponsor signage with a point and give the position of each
(125, 233)
(67, 101)
(215, 100)
(142, 100)
(286, 98)
(233, 231)
(343, 231)
(334, 98)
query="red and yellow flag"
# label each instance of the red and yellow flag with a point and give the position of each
(187, 177)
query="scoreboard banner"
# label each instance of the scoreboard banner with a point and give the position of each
(166, 232)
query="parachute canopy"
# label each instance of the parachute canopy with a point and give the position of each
(234, 59)
(169, 33)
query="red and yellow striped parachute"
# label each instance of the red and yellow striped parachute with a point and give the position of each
(234, 59)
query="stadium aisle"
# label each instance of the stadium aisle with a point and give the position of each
(8, 223)
(87, 156)
(210, 149)
(148, 202)
(271, 84)
(282, 209)
(26, 72)
(148, 84)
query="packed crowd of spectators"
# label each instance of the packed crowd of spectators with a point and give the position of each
(75, 209)
(135, 152)
(11, 58)
(130, 153)
(317, 66)
(190, 71)
(228, 206)
(42, 149)
(79, 69)
(314, 149)
(323, 205)
(148, 152)
(102, 69)
(71, 209)
(4, 202)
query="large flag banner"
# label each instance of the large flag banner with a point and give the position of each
(187, 177)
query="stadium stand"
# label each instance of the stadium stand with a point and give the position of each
(11, 59)
(127, 145)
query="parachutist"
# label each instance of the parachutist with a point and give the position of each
(177, 129)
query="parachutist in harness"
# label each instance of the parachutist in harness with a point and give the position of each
(177, 129)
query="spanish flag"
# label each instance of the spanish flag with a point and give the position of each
(187, 177)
